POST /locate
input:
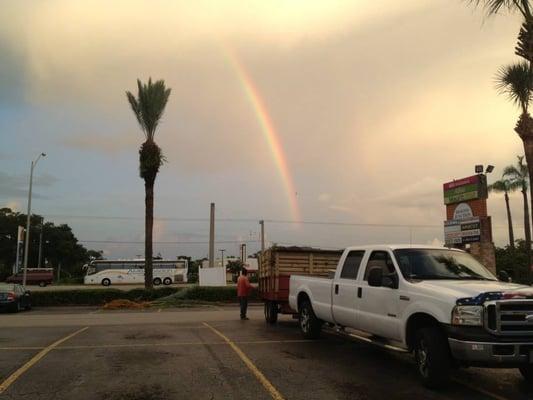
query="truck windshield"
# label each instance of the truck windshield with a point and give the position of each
(422, 264)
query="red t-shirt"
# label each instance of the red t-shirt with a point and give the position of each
(243, 286)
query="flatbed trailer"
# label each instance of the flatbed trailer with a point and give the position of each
(278, 263)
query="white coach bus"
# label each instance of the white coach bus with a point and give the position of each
(116, 272)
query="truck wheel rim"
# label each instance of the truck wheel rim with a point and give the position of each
(305, 320)
(422, 358)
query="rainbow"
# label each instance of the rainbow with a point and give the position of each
(268, 129)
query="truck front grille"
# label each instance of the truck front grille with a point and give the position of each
(509, 317)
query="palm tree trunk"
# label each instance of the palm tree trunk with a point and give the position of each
(148, 229)
(509, 222)
(528, 151)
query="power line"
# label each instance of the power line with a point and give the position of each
(155, 242)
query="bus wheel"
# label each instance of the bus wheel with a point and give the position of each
(157, 281)
(167, 281)
(106, 282)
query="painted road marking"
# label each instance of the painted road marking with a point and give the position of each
(35, 359)
(251, 366)
(480, 390)
(121, 345)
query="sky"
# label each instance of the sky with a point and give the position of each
(346, 112)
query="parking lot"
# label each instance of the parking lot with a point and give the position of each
(208, 353)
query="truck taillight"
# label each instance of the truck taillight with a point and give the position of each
(11, 296)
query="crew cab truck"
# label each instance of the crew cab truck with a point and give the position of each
(439, 303)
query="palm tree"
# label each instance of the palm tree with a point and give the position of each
(505, 186)
(519, 178)
(516, 79)
(148, 107)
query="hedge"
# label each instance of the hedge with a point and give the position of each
(95, 297)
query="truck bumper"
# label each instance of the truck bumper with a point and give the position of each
(491, 354)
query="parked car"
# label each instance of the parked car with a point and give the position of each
(34, 276)
(439, 303)
(14, 297)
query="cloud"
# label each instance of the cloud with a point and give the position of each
(17, 185)
(107, 144)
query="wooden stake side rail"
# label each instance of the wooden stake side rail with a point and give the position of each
(277, 264)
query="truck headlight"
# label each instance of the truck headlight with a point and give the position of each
(467, 315)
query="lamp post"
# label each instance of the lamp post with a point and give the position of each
(222, 253)
(27, 244)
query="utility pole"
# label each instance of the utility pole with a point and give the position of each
(27, 236)
(262, 223)
(212, 237)
(20, 240)
(40, 244)
(243, 252)
(222, 252)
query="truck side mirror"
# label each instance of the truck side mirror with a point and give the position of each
(503, 276)
(375, 277)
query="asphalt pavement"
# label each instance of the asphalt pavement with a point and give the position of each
(208, 353)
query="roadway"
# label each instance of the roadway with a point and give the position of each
(208, 353)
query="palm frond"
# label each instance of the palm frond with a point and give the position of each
(515, 81)
(493, 7)
(149, 105)
(499, 186)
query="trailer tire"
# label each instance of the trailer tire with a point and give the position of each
(106, 282)
(42, 283)
(432, 356)
(167, 281)
(271, 312)
(310, 325)
(157, 281)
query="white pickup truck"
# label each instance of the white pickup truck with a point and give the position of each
(439, 303)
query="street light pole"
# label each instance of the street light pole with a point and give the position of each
(27, 236)
(222, 252)
(40, 244)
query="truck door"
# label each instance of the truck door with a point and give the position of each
(344, 296)
(378, 309)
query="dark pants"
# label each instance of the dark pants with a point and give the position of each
(243, 301)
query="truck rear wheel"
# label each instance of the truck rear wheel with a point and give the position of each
(271, 312)
(310, 325)
(432, 357)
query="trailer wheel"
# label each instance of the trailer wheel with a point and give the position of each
(310, 325)
(42, 283)
(157, 281)
(432, 357)
(271, 312)
(167, 281)
(106, 282)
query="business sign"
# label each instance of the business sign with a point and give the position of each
(462, 231)
(470, 188)
(463, 211)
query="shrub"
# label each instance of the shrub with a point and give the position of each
(96, 296)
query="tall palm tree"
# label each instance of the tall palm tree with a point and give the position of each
(519, 177)
(148, 107)
(516, 79)
(505, 186)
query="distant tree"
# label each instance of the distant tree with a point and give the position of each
(504, 186)
(518, 176)
(60, 245)
(514, 261)
(235, 267)
(148, 107)
(95, 254)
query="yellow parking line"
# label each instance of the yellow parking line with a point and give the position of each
(251, 366)
(35, 359)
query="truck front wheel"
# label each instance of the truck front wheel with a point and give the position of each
(310, 325)
(432, 357)
(527, 372)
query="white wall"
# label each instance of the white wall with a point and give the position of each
(212, 276)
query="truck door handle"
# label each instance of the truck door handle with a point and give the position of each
(336, 289)
(359, 292)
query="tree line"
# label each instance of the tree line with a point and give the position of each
(60, 247)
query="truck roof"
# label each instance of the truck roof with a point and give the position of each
(399, 246)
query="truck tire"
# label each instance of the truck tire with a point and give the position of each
(167, 281)
(527, 372)
(432, 357)
(106, 282)
(157, 281)
(271, 312)
(310, 325)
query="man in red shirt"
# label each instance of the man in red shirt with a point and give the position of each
(243, 291)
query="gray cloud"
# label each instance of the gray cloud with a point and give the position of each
(16, 186)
